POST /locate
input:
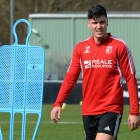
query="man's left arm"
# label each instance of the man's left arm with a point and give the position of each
(128, 70)
(133, 119)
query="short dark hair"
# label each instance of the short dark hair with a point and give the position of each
(96, 11)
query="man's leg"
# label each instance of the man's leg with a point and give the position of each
(102, 127)
(90, 127)
(108, 126)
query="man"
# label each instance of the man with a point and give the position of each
(103, 60)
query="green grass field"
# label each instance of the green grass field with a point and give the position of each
(72, 129)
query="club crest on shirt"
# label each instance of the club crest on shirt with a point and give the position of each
(109, 49)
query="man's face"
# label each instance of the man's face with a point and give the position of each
(98, 27)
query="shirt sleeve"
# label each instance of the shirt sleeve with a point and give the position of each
(128, 70)
(71, 77)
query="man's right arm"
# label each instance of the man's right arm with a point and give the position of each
(71, 77)
(68, 83)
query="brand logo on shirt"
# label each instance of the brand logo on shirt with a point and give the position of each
(98, 63)
(107, 128)
(87, 49)
(109, 49)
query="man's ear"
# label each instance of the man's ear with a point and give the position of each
(88, 23)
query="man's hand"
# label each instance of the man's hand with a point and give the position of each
(133, 122)
(54, 111)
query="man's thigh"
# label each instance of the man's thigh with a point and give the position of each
(90, 127)
(107, 123)
(103, 136)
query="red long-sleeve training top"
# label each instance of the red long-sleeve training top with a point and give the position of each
(103, 67)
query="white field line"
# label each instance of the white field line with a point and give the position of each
(58, 122)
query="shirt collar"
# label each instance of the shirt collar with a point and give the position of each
(102, 41)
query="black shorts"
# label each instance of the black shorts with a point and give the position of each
(108, 123)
